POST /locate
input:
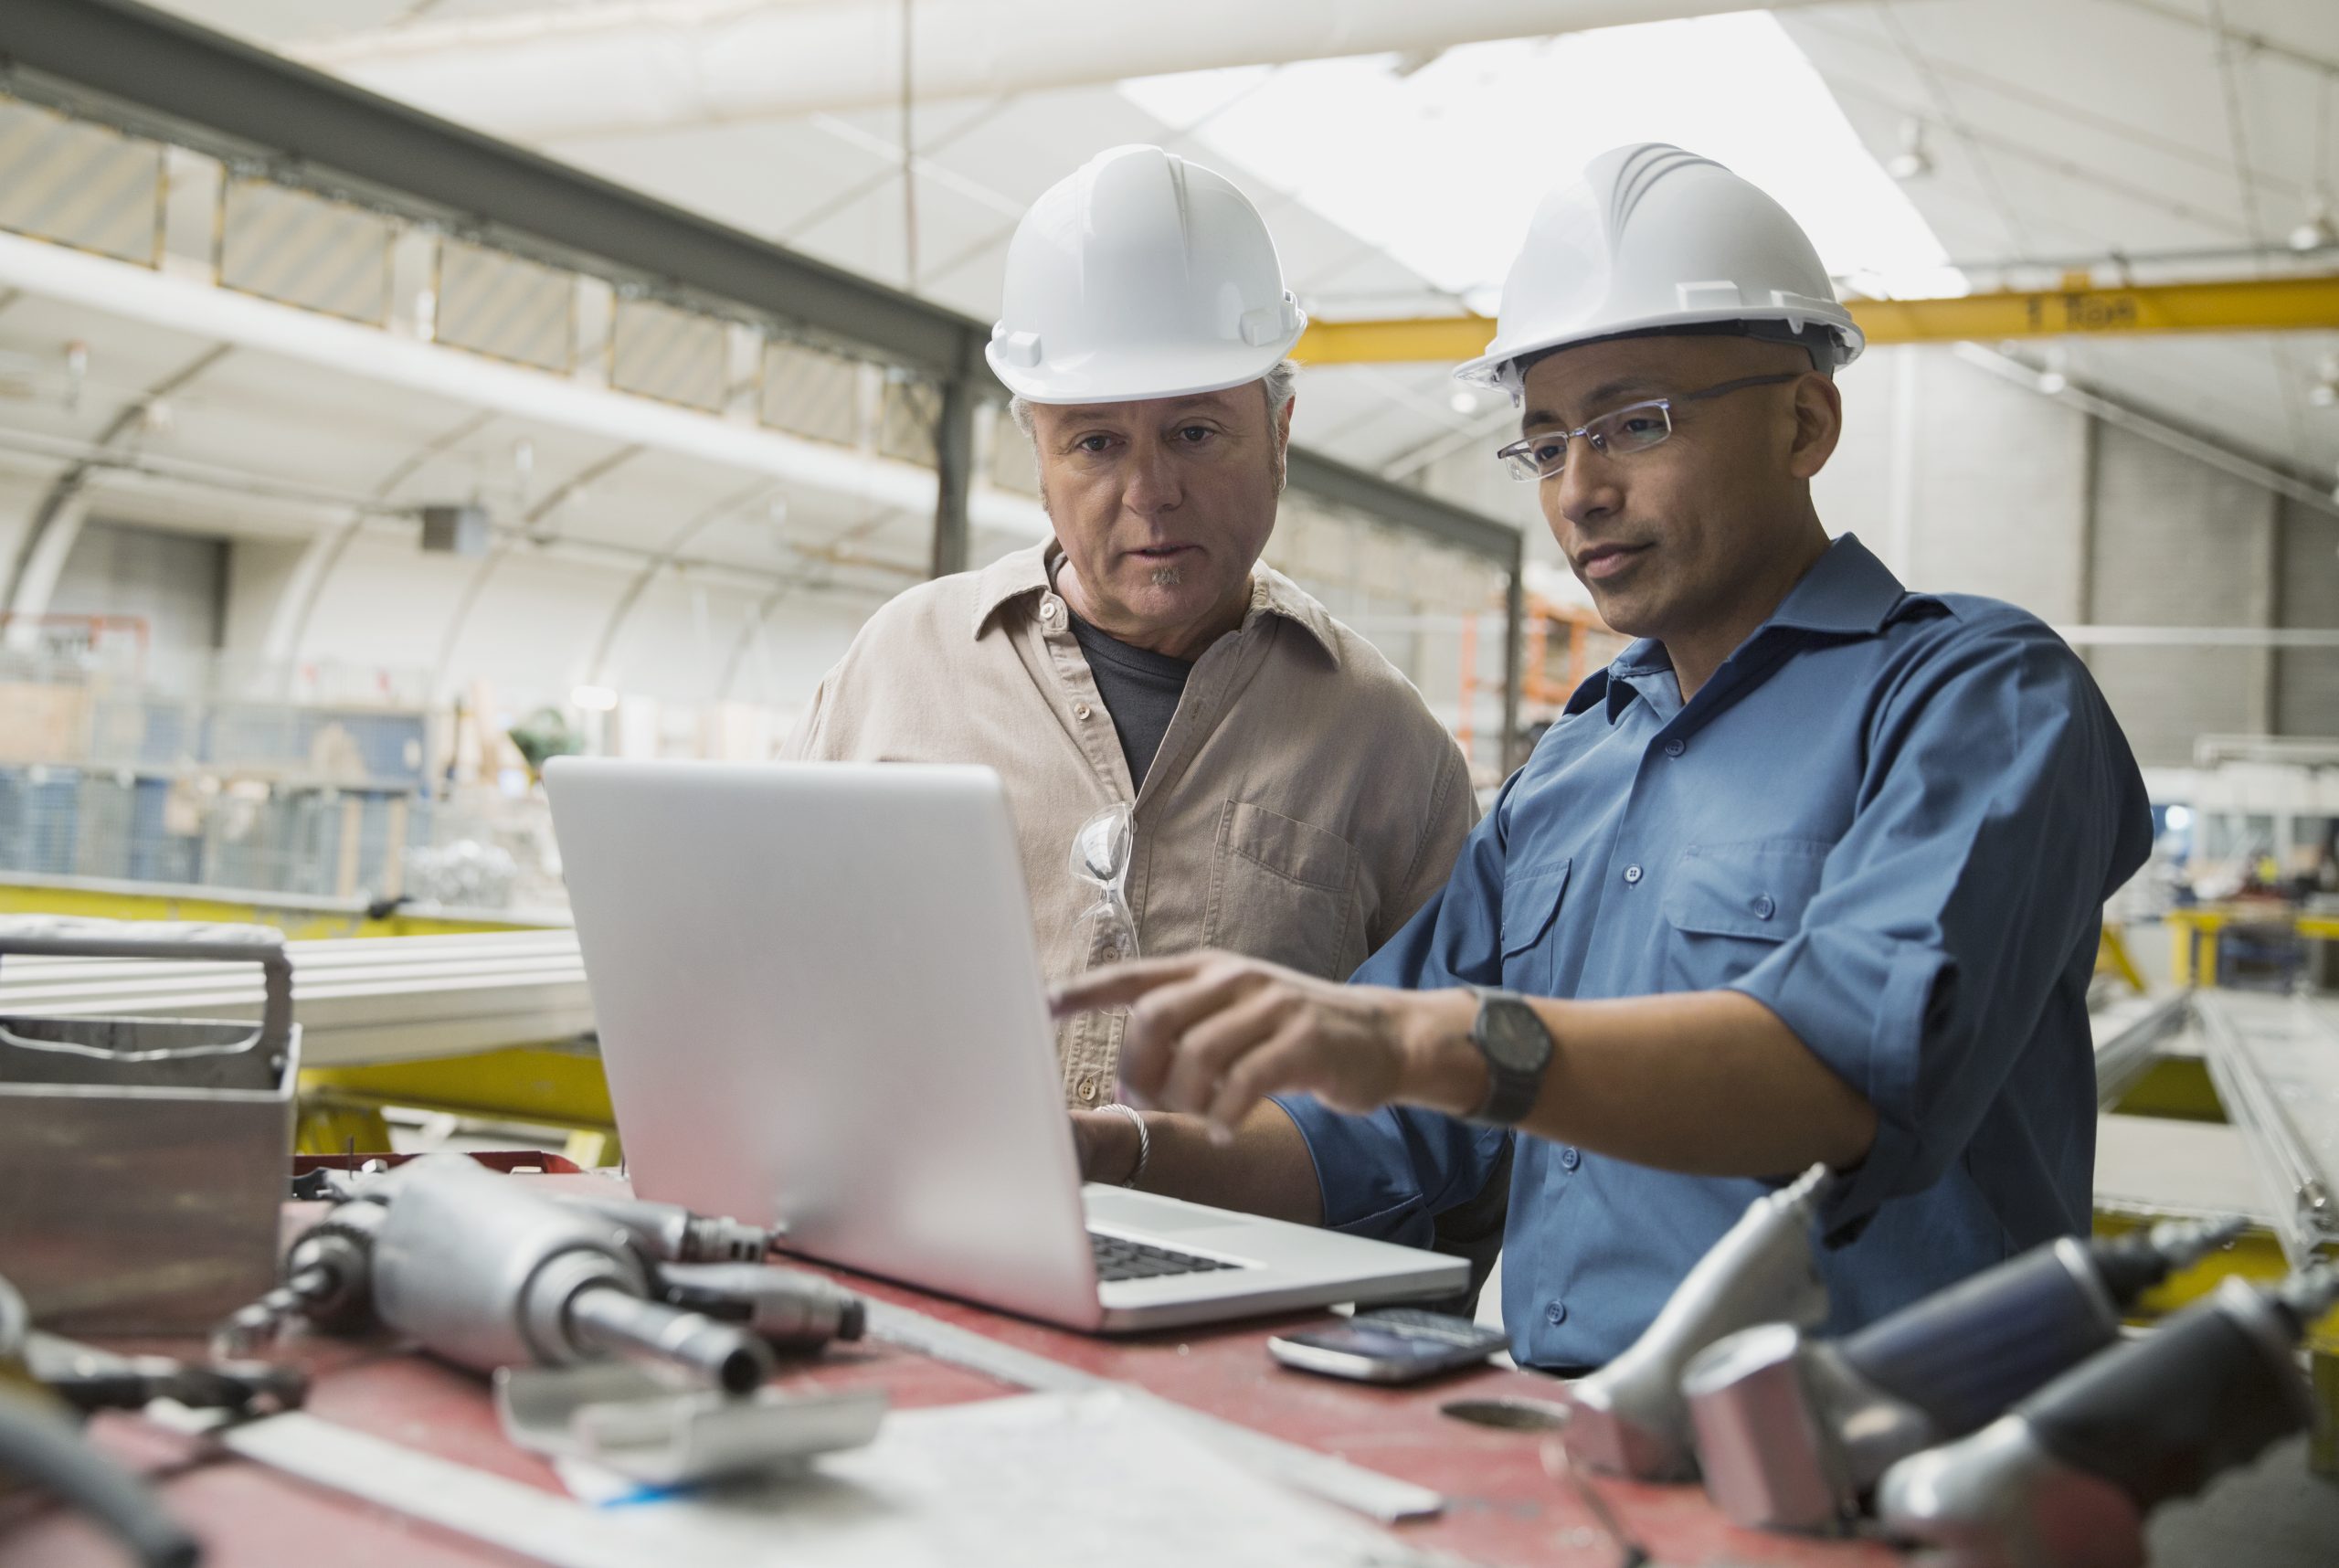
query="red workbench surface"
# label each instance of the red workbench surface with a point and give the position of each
(1502, 1507)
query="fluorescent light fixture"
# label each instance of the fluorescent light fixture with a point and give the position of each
(2315, 231)
(1912, 162)
(593, 699)
(1442, 167)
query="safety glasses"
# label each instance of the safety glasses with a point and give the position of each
(1634, 428)
(1100, 857)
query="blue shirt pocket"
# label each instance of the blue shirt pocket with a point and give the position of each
(1530, 902)
(1728, 905)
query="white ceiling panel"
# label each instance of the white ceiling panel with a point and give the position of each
(2069, 130)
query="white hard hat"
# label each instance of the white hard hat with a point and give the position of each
(1650, 238)
(1142, 275)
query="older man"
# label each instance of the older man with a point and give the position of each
(1812, 871)
(1292, 796)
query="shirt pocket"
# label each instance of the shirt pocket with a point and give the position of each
(1286, 891)
(1531, 902)
(1731, 905)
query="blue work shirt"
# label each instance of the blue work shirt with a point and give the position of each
(1893, 819)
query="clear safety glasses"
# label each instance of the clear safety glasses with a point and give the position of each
(1634, 428)
(1101, 851)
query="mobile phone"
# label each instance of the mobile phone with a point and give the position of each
(1395, 1345)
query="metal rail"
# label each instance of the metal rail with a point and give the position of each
(358, 1000)
(2275, 1063)
(2128, 1036)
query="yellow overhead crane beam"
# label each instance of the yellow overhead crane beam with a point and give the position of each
(2250, 305)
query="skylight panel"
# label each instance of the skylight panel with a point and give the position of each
(1441, 166)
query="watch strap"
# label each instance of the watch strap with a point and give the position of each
(1511, 1093)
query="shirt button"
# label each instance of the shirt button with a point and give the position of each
(1763, 908)
(1088, 1087)
(1571, 1157)
(1675, 748)
(1080, 711)
(1556, 1313)
(1632, 876)
(1050, 609)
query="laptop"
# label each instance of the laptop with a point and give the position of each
(819, 1008)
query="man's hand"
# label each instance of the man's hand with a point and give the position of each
(1214, 1033)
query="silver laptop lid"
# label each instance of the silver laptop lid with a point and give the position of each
(819, 1005)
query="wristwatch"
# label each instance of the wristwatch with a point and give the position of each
(1516, 1047)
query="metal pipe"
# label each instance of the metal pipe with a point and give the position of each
(954, 465)
(605, 1318)
(1514, 627)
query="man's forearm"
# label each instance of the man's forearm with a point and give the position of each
(1266, 1169)
(1707, 1083)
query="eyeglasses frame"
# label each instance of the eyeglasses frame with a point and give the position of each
(1586, 431)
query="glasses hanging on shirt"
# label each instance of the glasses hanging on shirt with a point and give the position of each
(1101, 851)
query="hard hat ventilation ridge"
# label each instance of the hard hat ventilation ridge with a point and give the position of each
(1647, 164)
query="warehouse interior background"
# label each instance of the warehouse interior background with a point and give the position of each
(353, 465)
(239, 653)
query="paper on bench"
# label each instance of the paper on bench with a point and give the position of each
(1032, 1481)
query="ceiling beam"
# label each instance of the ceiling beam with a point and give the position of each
(167, 78)
(2235, 306)
(159, 75)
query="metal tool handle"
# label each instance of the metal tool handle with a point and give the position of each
(49, 935)
(608, 1319)
(2160, 1416)
(1964, 1355)
(787, 1306)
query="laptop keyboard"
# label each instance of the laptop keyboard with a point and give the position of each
(1117, 1257)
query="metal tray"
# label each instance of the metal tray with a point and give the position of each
(143, 1161)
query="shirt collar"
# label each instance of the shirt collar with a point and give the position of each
(1020, 572)
(1011, 576)
(1846, 592)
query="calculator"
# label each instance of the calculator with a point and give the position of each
(1396, 1344)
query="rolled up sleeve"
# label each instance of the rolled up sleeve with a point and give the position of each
(1390, 1173)
(2000, 807)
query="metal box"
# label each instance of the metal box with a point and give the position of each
(144, 1162)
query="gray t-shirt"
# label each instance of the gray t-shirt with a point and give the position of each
(1141, 689)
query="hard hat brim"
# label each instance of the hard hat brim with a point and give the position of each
(1125, 377)
(1491, 369)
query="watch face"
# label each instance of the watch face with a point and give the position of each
(1514, 1038)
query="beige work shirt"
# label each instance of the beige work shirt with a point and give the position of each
(1303, 805)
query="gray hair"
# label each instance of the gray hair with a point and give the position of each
(1280, 383)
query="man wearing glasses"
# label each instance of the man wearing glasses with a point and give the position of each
(1814, 872)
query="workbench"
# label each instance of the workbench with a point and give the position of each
(1502, 1507)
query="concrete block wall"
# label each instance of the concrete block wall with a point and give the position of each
(2179, 544)
(2306, 594)
(1964, 481)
